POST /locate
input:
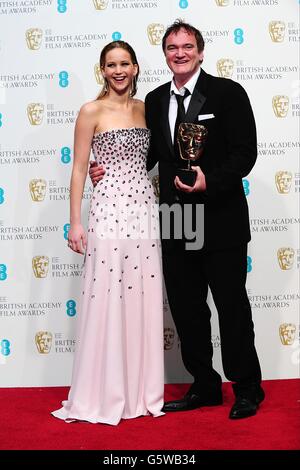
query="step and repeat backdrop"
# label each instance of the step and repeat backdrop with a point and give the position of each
(49, 53)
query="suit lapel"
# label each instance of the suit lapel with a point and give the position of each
(196, 103)
(165, 101)
(198, 98)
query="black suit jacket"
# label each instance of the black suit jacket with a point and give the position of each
(229, 154)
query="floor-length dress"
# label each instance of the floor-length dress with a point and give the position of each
(118, 363)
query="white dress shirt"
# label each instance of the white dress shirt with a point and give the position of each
(190, 85)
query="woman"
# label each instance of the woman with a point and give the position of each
(118, 364)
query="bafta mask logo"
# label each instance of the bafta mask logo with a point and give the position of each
(34, 38)
(43, 341)
(222, 3)
(287, 333)
(40, 266)
(280, 105)
(155, 33)
(155, 184)
(100, 4)
(277, 30)
(285, 258)
(169, 336)
(37, 188)
(283, 180)
(98, 75)
(35, 113)
(191, 140)
(225, 68)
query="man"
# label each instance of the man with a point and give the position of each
(223, 107)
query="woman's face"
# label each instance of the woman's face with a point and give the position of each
(119, 70)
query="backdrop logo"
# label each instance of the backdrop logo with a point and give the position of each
(222, 3)
(43, 341)
(238, 34)
(63, 79)
(100, 4)
(40, 266)
(283, 181)
(155, 184)
(280, 105)
(287, 333)
(37, 189)
(66, 231)
(71, 308)
(183, 3)
(61, 6)
(169, 337)
(1, 119)
(155, 33)
(34, 38)
(285, 257)
(1, 196)
(98, 75)
(277, 30)
(225, 68)
(246, 186)
(35, 113)
(249, 264)
(3, 272)
(5, 347)
(65, 153)
(116, 36)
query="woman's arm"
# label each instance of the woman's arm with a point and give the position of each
(84, 131)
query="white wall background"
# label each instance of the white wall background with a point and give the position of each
(57, 72)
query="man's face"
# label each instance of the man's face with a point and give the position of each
(182, 55)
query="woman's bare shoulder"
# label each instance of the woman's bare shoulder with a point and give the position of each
(139, 103)
(91, 107)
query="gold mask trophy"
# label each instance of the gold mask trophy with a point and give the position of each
(191, 139)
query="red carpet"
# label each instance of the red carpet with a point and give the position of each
(26, 423)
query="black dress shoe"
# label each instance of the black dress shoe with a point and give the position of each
(191, 401)
(246, 406)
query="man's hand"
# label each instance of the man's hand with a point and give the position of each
(96, 172)
(200, 183)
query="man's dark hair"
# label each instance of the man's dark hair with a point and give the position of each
(177, 26)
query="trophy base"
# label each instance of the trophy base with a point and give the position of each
(187, 177)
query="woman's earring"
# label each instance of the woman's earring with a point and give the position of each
(105, 85)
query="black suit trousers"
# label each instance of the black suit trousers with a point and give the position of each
(188, 275)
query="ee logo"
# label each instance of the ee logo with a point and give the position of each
(61, 6)
(71, 308)
(65, 154)
(66, 231)
(5, 347)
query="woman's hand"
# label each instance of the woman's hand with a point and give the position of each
(77, 238)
